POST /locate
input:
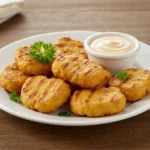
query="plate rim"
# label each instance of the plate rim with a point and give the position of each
(62, 123)
(43, 34)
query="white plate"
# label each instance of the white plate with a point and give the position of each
(7, 57)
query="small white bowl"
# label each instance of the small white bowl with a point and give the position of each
(113, 62)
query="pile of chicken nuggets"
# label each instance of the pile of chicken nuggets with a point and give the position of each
(71, 78)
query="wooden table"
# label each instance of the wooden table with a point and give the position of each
(130, 16)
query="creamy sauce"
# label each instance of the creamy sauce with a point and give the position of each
(112, 45)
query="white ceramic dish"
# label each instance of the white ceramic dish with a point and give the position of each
(113, 62)
(7, 57)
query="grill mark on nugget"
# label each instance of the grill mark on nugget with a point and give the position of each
(23, 55)
(32, 95)
(77, 95)
(87, 64)
(59, 45)
(25, 48)
(65, 39)
(28, 84)
(11, 69)
(135, 85)
(105, 91)
(92, 71)
(9, 77)
(57, 91)
(140, 79)
(114, 98)
(71, 63)
(42, 81)
(83, 67)
(77, 70)
(60, 58)
(121, 84)
(35, 93)
(80, 68)
(88, 72)
(48, 89)
(90, 95)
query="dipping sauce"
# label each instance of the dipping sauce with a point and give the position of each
(113, 44)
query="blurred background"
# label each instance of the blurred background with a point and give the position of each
(42, 16)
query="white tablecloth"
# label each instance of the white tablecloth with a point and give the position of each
(9, 8)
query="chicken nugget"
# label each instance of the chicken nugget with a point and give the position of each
(43, 94)
(67, 46)
(12, 79)
(97, 102)
(79, 71)
(136, 86)
(29, 65)
(108, 76)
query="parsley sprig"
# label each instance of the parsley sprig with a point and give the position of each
(42, 52)
(15, 97)
(122, 75)
(64, 113)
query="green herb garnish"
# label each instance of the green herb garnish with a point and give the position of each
(64, 113)
(122, 75)
(15, 97)
(42, 52)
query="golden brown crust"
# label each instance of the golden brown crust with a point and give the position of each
(108, 76)
(135, 87)
(98, 102)
(43, 94)
(29, 65)
(79, 71)
(12, 78)
(67, 46)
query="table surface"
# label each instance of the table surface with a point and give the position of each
(129, 16)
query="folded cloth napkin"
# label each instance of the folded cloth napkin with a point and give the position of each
(9, 8)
